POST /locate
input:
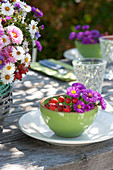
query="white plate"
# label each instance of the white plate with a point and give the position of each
(32, 124)
(72, 54)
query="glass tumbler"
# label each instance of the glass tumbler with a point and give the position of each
(90, 72)
(106, 44)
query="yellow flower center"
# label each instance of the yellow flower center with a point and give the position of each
(0, 61)
(7, 77)
(14, 34)
(7, 8)
(8, 67)
(19, 17)
(79, 106)
(34, 27)
(4, 40)
(73, 91)
(26, 60)
(38, 10)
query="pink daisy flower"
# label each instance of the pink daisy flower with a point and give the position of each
(15, 34)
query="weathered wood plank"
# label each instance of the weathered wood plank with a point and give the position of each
(19, 151)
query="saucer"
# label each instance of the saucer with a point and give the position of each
(72, 54)
(33, 125)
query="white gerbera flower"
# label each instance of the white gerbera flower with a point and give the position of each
(7, 77)
(25, 46)
(33, 28)
(7, 9)
(9, 68)
(6, 40)
(25, 7)
(18, 53)
(27, 59)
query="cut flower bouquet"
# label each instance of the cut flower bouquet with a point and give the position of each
(78, 99)
(18, 29)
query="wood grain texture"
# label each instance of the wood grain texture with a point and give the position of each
(19, 151)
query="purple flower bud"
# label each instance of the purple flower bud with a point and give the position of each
(3, 20)
(77, 27)
(85, 27)
(38, 45)
(38, 19)
(42, 27)
(8, 17)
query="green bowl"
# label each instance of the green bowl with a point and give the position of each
(66, 124)
(89, 50)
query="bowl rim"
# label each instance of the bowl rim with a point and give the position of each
(56, 110)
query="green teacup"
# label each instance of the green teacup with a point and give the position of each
(66, 124)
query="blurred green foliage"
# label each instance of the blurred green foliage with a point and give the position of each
(60, 18)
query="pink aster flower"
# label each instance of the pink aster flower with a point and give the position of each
(1, 31)
(15, 34)
(73, 92)
(103, 103)
(1, 43)
(79, 107)
(90, 96)
(8, 52)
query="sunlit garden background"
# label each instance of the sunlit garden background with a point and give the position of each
(60, 18)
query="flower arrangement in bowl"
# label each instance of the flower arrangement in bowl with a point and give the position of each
(86, 41)
(70, 114)
(19, 27)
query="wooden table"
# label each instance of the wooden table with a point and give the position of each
(19, 151)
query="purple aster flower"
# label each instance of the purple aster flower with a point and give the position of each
(98, 95)
(38, 45)
(87, 33)
(79, 106)
(91, 106)
(89, 96)
(33, 9)
(87, 107)
(37, 11)
(2, 63)
(103, 103)
(38, 19)
(77, 27)
(86, 40)
(72, 35)
(85, 27)
(93, 41)
(80, 86)
(37, 35)
(73, 92)
(80, 35)
(17, 5)
(95, 34)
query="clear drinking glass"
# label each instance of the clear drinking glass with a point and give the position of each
(106, 44)
(90, 72)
